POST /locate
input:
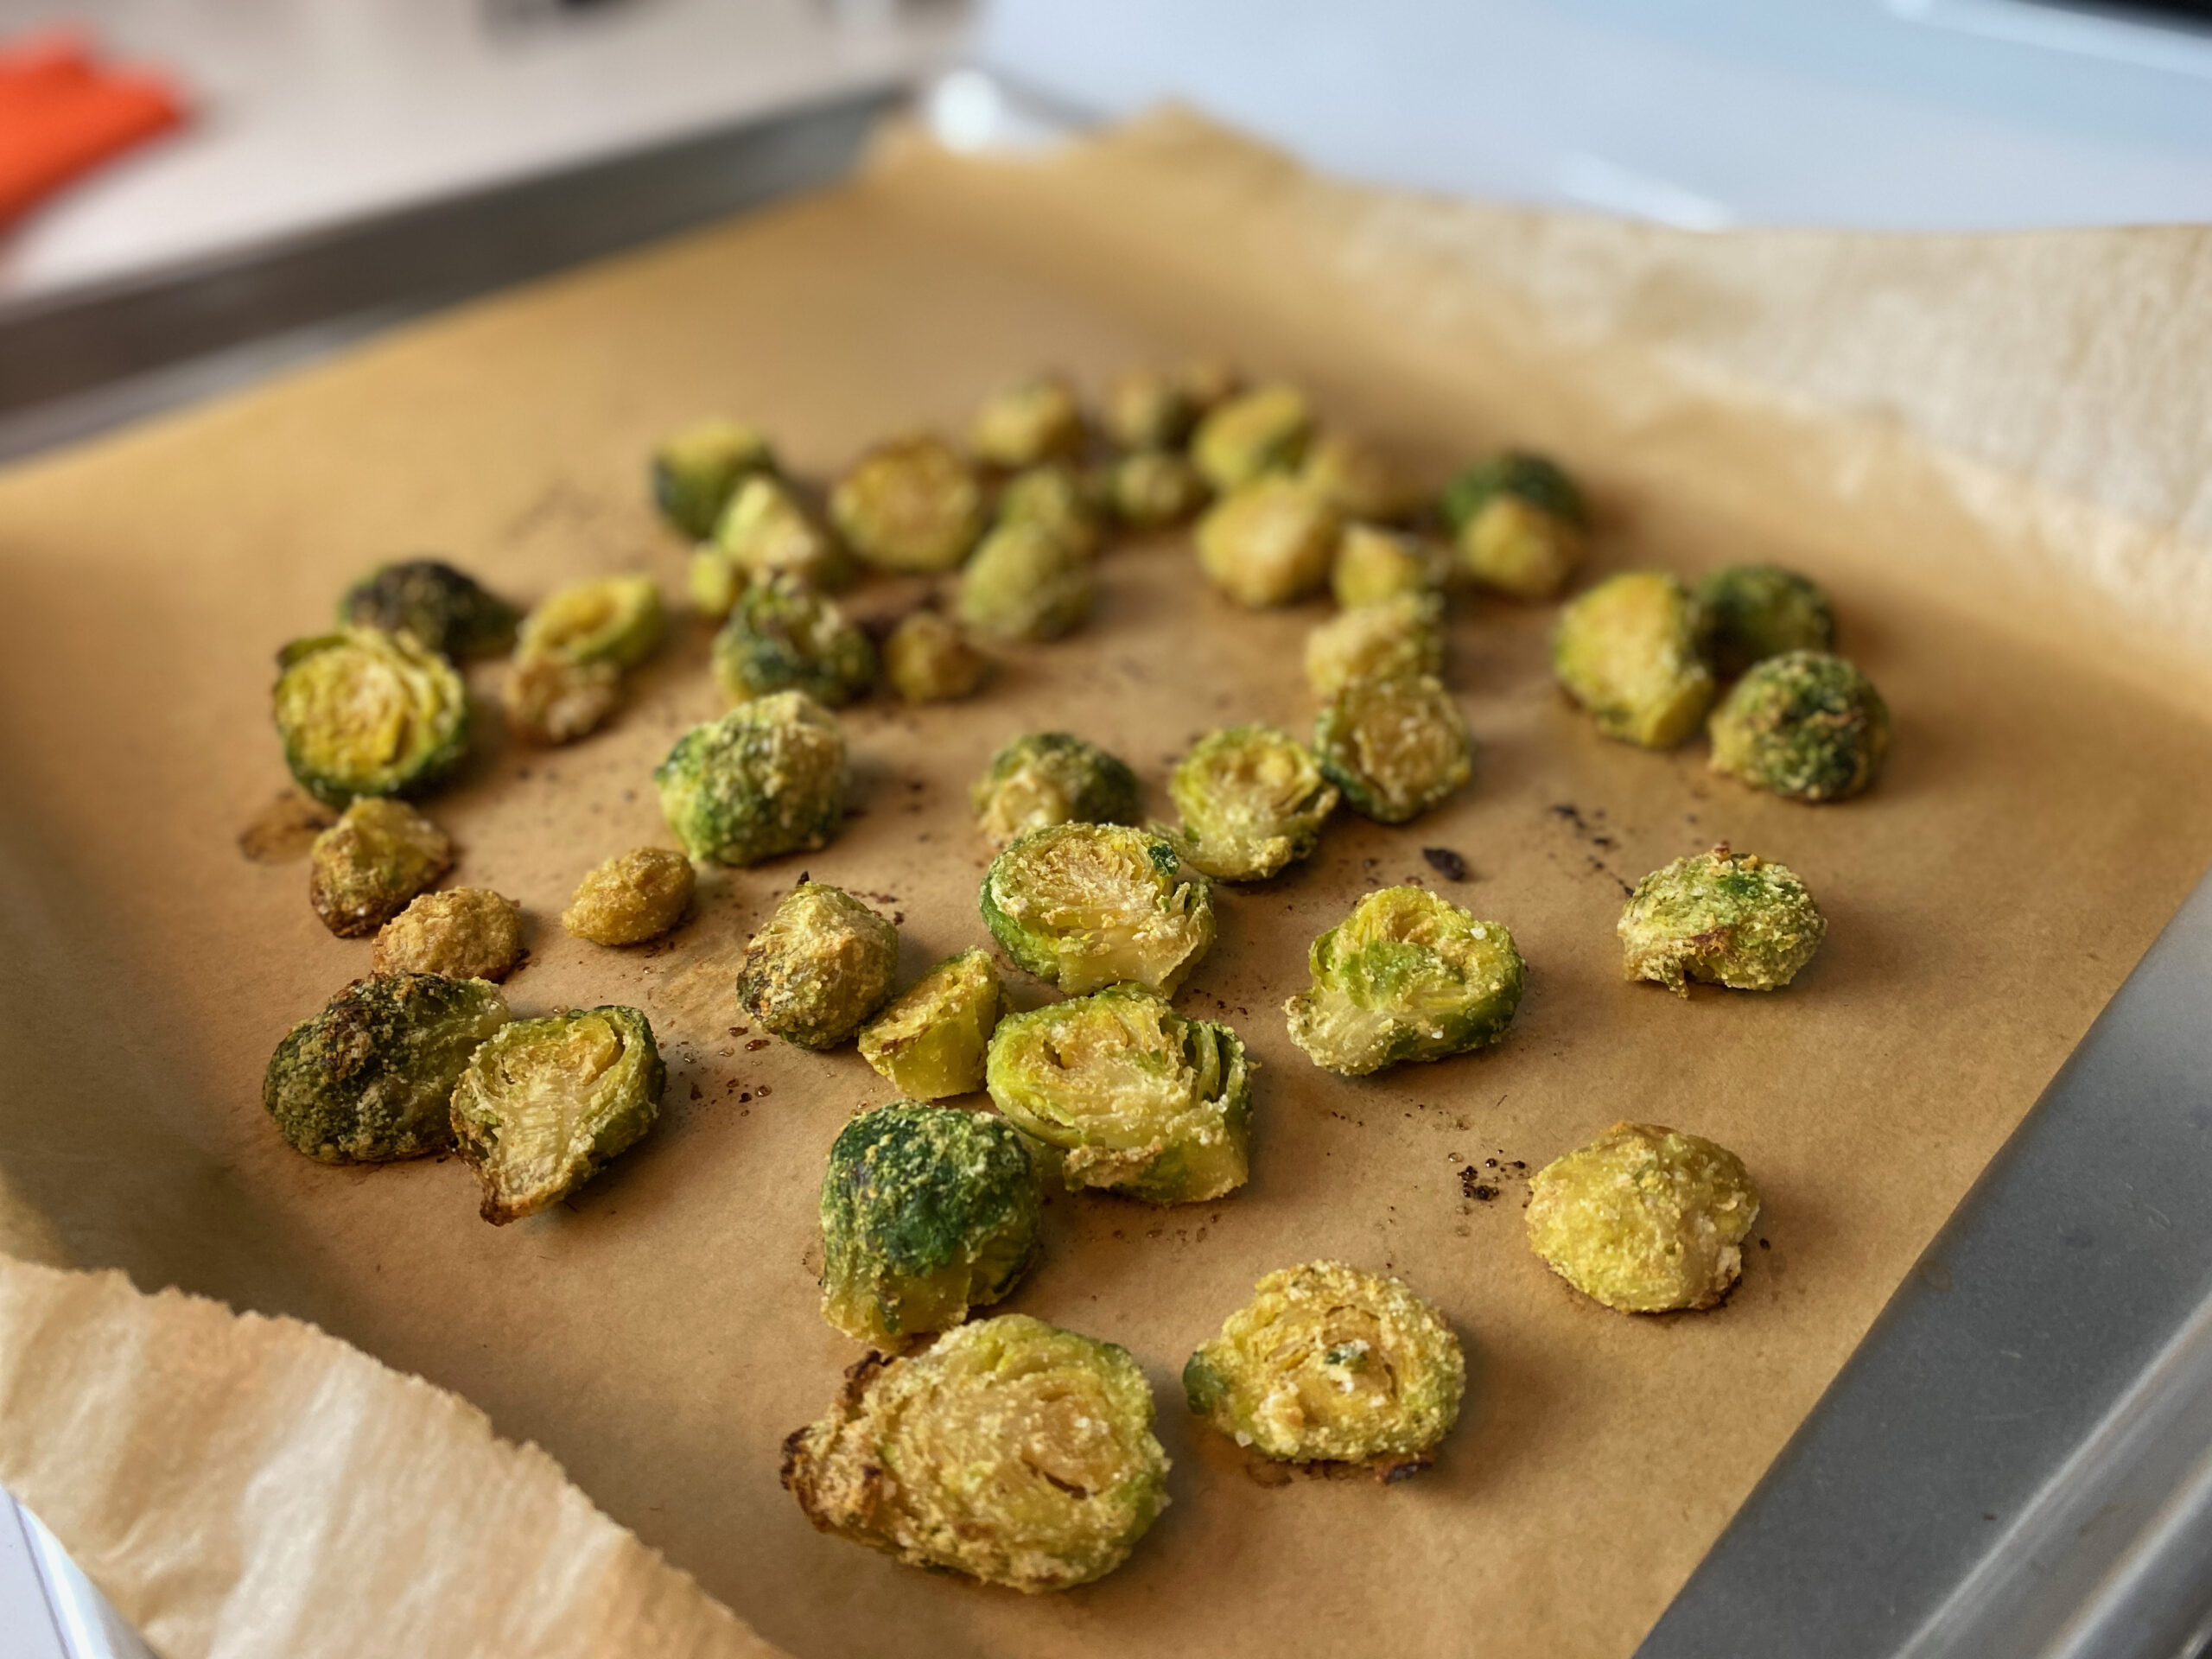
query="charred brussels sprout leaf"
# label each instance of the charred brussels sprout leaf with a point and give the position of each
(551, 700)
(1136, 1100)
(1252, 799)
(633, 897)
(370, 1079)
(696, 472)
(1024, 1456)
(928, 659)
(766, 532)
(926, 1212)
(1373, 564)
(363, 869)
(819, 968)
(368, 713)
(546, 1104)
(767, 777)
(930, 1041)
(1032, 420)
(1357, 479)
(784, 637)
(1804, 725)
(1086, 906)
(912, 506)
(607, 620)
(1722, 918)
(1389, 639)
(1396, 748)
(468, 933)
(1048, 778)
(1056, 499)
(1263, 430)
(1753, 611)
(444, 608)
(1268, 542)
(1644, 1220)
(1627, 651)
(1406, 977)
(1026, 582)
(1155, 488)
(1519, 524)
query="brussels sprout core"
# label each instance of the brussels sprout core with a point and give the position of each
(1268, 542)
(1725, 919)
(1627, 651)
(368, 713)
(551, 700)
(930, 1041)
(1086, 906)
(1397, 748)
(363, 869)
(1032, 420)
(820, 967)
(912, 506)
(1804, 725)
(1026, 582)
(1047, 777)
(607, 620)
(1753, 611)
(695, 472)
(468, 933)
(1644, 1220)
(928, 659)
(783, 636)
(444, 608)
(1263, 430)
(1519, 523)
(633, 897)
(1252, 799)
(1389, 639)
(767, 777)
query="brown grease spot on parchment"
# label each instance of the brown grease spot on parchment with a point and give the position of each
(283, 830)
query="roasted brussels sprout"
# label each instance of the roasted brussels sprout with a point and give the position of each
(819, 967)
(1155, 488)
(551, 700)
(1155, 408)
(696, 472)
(1328, 1363)
(1263, 430)
(606, 619)
(1010, 1450)
(1029, 421)
(928, 659)
(1357, 479)
(930, 1041)
(370, 1079)
(926, 1212)
(1137, 1100)
(1721, 917)
(546, 1104)
(1753, 611)
(1805, 725)
(1087, 906)
(1268, 542)
(1373, 564)
(1396, 748)
(444, 608)
(468, 933)
(1627, 651)
(767, 777)
(363, 869)
(368, 713)
(1519, 524)
(1406, 977)
(1643, 1218)
(784, 637)
(1390, 639)
(1252, 799)
(1044, 777)
(913, 505)
(714, 581)
(633, 897)
(767, 531)
(1055, 498)
(1026, 582)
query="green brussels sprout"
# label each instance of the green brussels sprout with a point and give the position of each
(1390, 639)
(363, 869)
(1026, 582)
(1753, 611)
(926, 1212)
(911, 506)
(1047, 777)
(1268, 542)
(1519, 524)
(606, 619)
(1804, 725)
(819, 967)
(1396, 748)
(928, 1042)
(1153, 489)
(714, 581)
(783, 637)
(1721, 917)
(1357, 479)
(1252, 799)
(1030, 421)
(633, 897)
(1372, 564)
(696, 472)
(1056, 498)
(1137, 1100)
(1644, 1220)
(445, 609)
(370, 1079)
(1155, 408)
(546, 1104)
(766, 532)
(1263, 430)
(1023, 1454)
(465, 933)
(368, 713)
(1627, 651)
(767, 777)
(928, 659)
(1328, 1363)
(551, 700)
(1408, 976)
(1086, 906)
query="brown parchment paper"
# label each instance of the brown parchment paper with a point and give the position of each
(1992, 450)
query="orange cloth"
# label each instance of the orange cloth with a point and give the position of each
(62, 114)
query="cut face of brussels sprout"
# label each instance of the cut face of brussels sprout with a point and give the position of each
(363, 869)
(1389, 639)
(1753, 611)
(368, 713)
(1155, 488)
(1268, 542)
(784, 637)
(1804, 725)
(546, 1104)
(1357, 479)
(1627, 651)
(1723, 917)
(1644, 1220)
(468, 933)
(1263, 430)
(713, 582)
(926, 1212)
(928, 659)
(444, 608)
(1372, 564)
(1406, 977)
(1011, 1450)
(764, 531)
(1048, 778)
(1252, 799)
(912, 506)
(1519, 524)
(369, 1079)
(819, 968)
(1137, 1100)
(1058, 500)
(1032, 420)
(1086, 906)
(633, 897)
(1026, 582)
(930, 1041)
(695, 472)
(1328, 1364)
(767, 777)
(1396, 748)
(607, 620)
(551, 700)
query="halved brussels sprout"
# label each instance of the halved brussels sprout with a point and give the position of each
(1721, 917)
(606, 619)
(1753, 611)
(368, 713)
(1373, 564)
(1086, 906)
(1155, 488)
(819, 967)
(363, 869)
(1804, 725)
(784, 637)
(1627, 651)
(930, 1041)
(1390, 639)
(714, 581)
(466, 933)
(1026, 582)
(1155, 408)
(1252, 799)
(926, 1212)
(696, 472)
(445, 609)
(1396, 748)
(1047, 777)
(1011, 1451)
(1645, 1218)
(1519, 524)
(1263, 430)
(1330, 1364)
(928, 659)
(633, 897)
(370, 1079)
(1357, 479)
(912, 506)
(767, 777)
(551, 700)
(1137, 1100)
(546, 1104)
(1056, 498)
(1032, 420)
(767, 531)
(1268, 542)
(1406, 977)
